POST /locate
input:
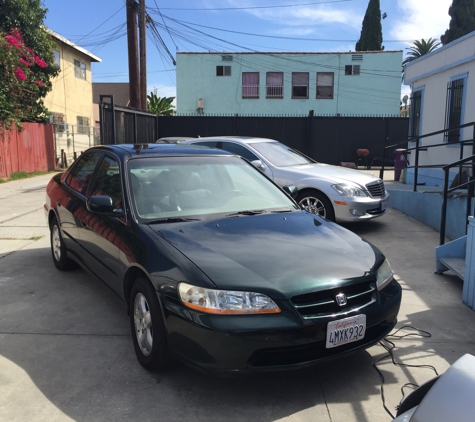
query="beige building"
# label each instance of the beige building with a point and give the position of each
(70, 100)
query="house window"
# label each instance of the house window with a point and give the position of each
(250, 85)
(299, 85)
(223, 70)
(352, 69)
(453, 109)
(274, 85)
(415, 114)
(83, 124)
(80, 69)
(57, 58)
(325, 85)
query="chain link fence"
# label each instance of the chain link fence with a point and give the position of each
(71, 140)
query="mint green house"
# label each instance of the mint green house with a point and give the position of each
(354, 83)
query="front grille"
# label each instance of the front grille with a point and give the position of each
(323, 304)
(376, 189)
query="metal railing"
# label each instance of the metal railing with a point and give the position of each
(470, 192)
(462, 163)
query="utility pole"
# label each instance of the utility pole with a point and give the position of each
(134, 83)
(143, 56)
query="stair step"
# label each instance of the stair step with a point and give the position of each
(456, 265)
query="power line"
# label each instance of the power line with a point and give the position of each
(257, 7)
(270, 36)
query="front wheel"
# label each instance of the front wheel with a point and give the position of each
(316, 203)
(148, 330)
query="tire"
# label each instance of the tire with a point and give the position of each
(58, 248)
(316, 203)
(148, 330)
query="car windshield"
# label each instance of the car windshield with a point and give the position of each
(198, 187)
(280, 155)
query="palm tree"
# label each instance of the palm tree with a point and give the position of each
(420, 48)
(161, 106)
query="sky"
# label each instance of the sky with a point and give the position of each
(234, 26)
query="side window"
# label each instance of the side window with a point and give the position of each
(239, 150)
(82, 172)
(107, 181)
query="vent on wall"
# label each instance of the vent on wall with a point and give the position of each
(357, 57)
(227, 58)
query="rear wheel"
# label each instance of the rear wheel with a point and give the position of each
(316, 203)
(148, 330)
(58, 248)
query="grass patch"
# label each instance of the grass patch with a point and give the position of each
(34, 238)
(19, 175)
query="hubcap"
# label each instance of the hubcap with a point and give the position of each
(56, 243)
(143, 324)
(314, 205)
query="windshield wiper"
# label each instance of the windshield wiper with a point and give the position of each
(172, 220)
(248, 212)
(282, 210)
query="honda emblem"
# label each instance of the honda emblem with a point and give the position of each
(341, 299)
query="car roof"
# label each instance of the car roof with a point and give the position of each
(239, 139)
(126, 151)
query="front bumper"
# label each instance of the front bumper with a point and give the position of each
(260, 343)
(364, 208)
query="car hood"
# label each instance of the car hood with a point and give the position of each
(281, 255)
(333, 174)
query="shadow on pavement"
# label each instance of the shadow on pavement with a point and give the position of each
(66, 347)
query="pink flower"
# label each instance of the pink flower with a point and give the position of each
(16, 33)
(39, 83)
(40, 62)
(25, 63)
(13, 41)
(20, 74)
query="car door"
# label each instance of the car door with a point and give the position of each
(246, 153)
(71, 204)
(101, 235)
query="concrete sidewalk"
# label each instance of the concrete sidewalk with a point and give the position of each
(66, 352)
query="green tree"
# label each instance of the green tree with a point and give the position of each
(371, 37)
(462, 13)
(420, 48)
(160, 106)
(26, 62)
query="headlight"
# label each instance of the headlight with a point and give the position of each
(226, 302)
(348, 190)
(385, 275)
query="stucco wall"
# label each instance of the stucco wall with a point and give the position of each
(376, 91)
(431, 74)
(71, 96)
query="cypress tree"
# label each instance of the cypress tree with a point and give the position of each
(462, 13)
(371, 37)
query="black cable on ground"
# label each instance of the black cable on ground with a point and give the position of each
(389, 346)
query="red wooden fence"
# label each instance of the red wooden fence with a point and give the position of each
(30, 150)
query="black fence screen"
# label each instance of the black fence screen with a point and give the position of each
(327, 139)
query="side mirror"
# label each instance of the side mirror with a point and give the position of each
(291, 190)
(258, 164)
(103, 204)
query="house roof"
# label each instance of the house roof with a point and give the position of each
(120, 91)
(93, 57)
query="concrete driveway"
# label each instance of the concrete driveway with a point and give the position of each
(66, 352)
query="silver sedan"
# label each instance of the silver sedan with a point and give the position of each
(335, 193)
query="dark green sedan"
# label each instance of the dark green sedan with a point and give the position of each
(218, 266)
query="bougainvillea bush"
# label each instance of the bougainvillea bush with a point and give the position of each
(24, 81)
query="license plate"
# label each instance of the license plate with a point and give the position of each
(384, 204)
(346, 330)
